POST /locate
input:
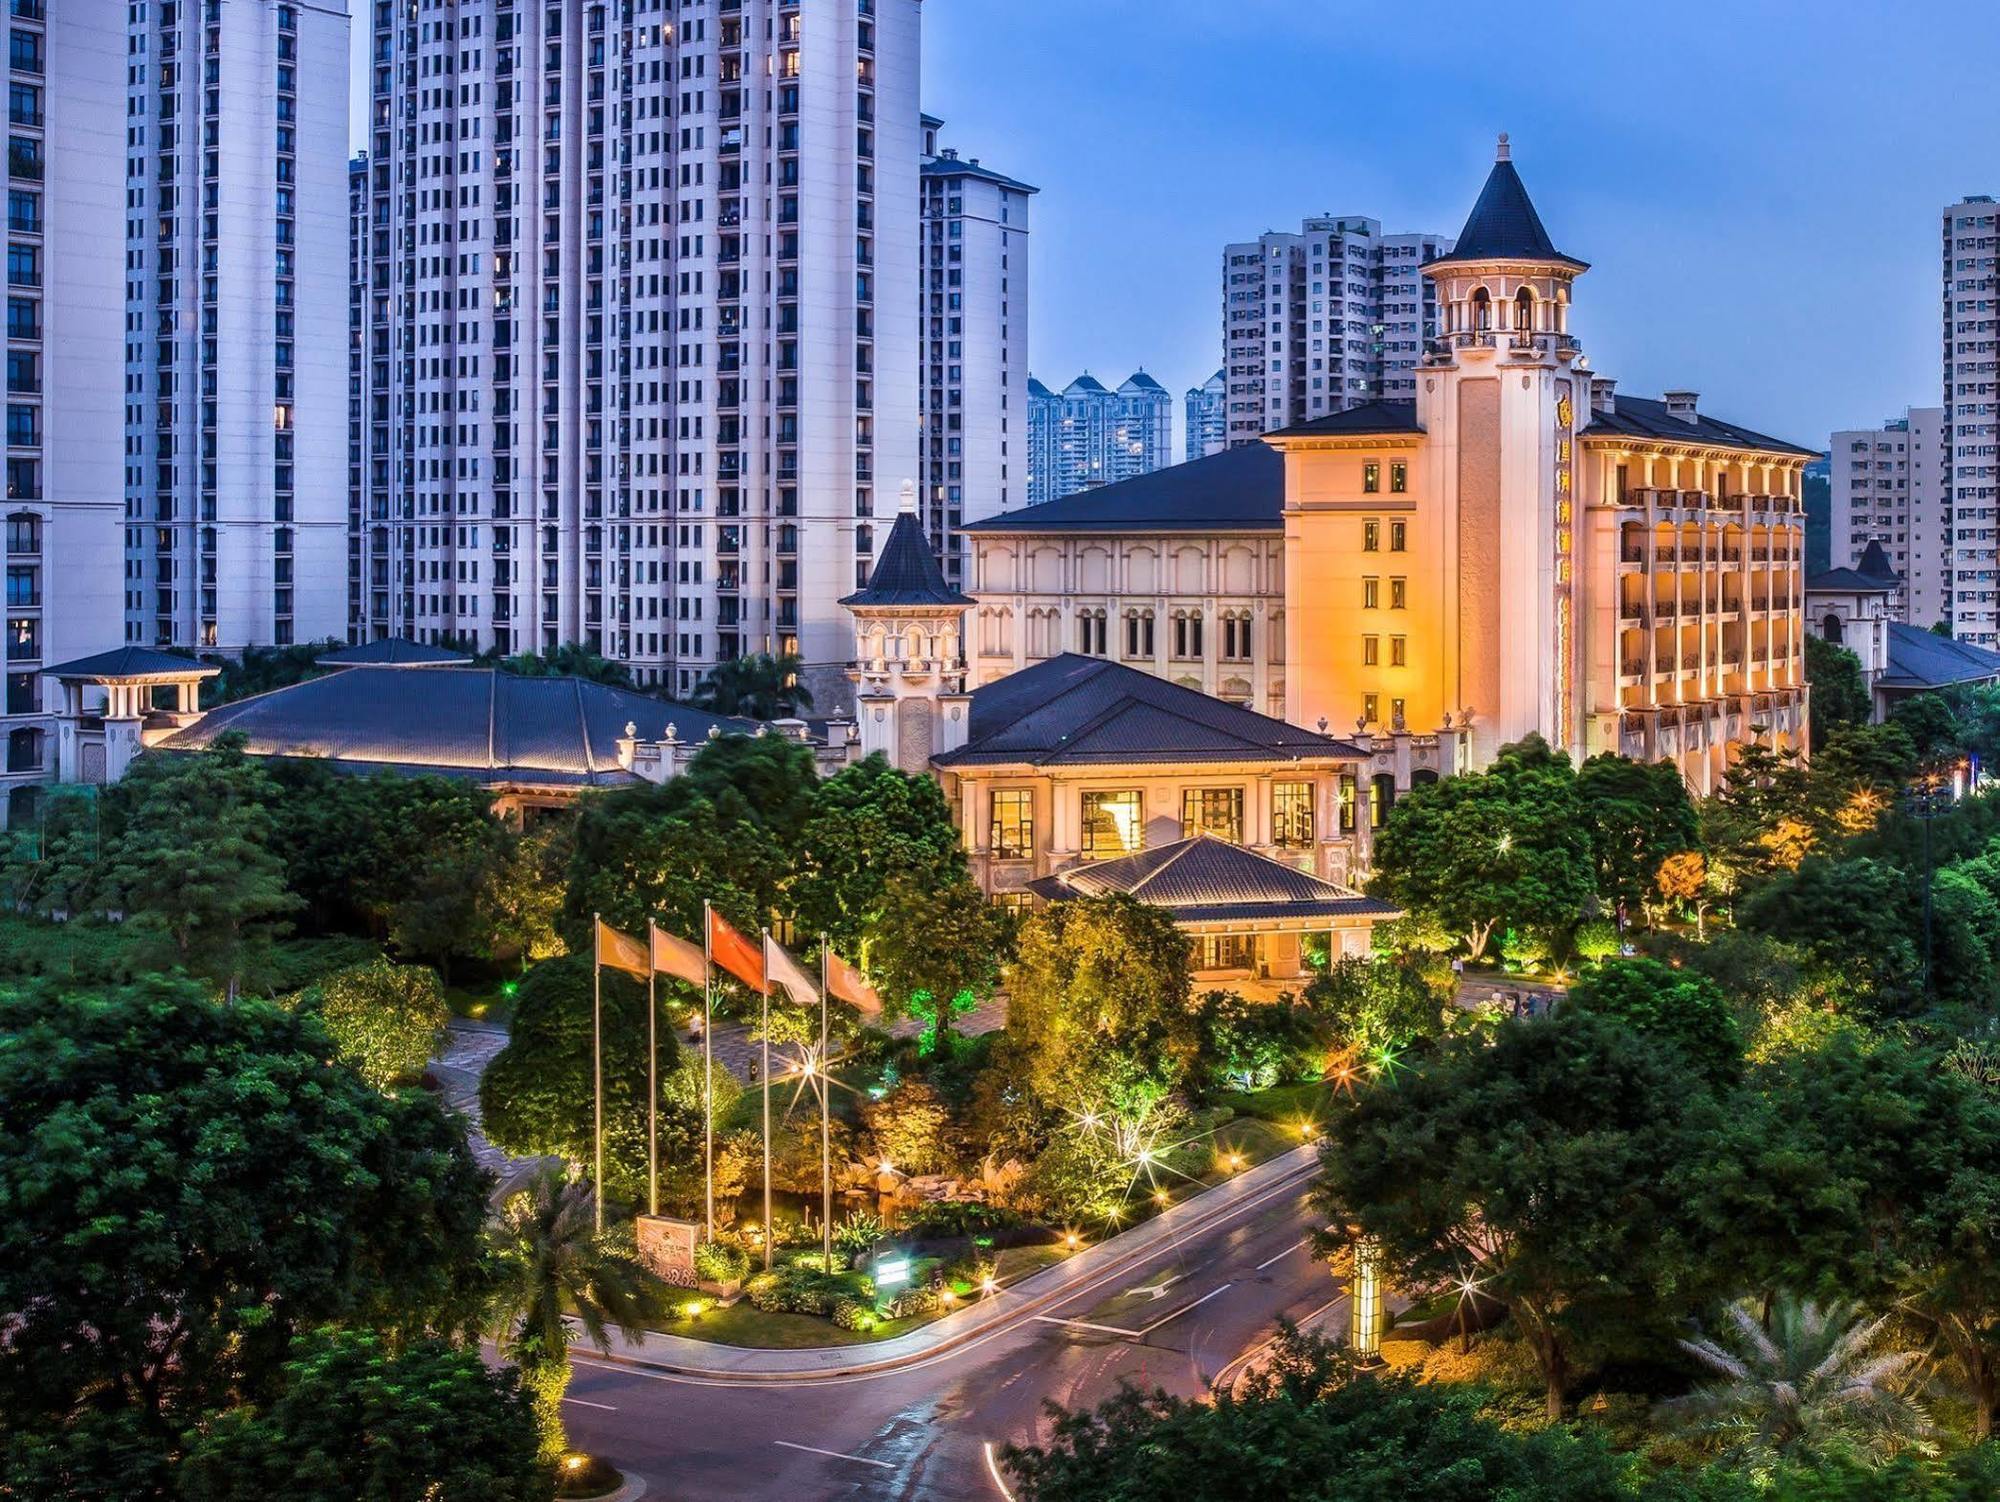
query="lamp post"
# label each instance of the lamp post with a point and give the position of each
(1365, 1303)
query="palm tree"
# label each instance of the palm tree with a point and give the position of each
(760, 686)
(570, 660)
(552, 1262)
(1815, 1384)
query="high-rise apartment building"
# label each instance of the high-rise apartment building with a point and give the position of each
(640, 324)
(1207, 416)
(1888, 487)
(1091, 435)
(1971, 245)
(974, 327)
(235, 310)
(65, 291)
(1322, 320)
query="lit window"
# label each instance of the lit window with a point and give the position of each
(1371, 594)
(1399, 598)
(1013, 836)
(1216, 811)
(1399, 478)
(1371, 477)
(1399, 535)
(1112, 824)
(1292, 815)
(1371, 708)
(1371, 537)
(1371, 651)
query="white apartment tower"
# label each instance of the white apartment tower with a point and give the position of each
(65, 422)
(1972, 407)
(1091, 435)
(235, 311)
(1207, 416)
(1888, 487)
(974, 329)
(1322, 320)
(640, 324)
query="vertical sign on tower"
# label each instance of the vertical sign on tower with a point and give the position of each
(1565, 538)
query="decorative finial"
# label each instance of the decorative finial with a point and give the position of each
(908, 504)
(631, 730)
(1504, 154)
(673, 734)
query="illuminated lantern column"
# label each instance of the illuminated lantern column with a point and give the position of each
(1366, 1306)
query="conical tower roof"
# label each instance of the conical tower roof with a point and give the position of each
(907, 573)
(1503, 224)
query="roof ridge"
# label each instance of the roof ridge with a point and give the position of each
(1186, 843)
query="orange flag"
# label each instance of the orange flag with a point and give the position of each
(845, 983)
(678, 958)
(621, 951)
(740, 956)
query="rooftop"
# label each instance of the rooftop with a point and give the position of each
(391, 651)
(1920, 659)
(1870, 574)
(1238, 490)
(134, 663)
(1083, 711)
(1644, 417)
(1206, 879)
(906, 573)
(1503, 224)
(1363, 421)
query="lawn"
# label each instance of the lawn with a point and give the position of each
(1309, 1101)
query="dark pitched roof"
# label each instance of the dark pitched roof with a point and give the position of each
(1144, 382)
(131, 662)
(1205, 879)
(1240, 489)
(1870, 574)
(391, 651)
(1361, 421)
(1036, 388)
(1503, 224)
(1874, 560)
(906, 573)
(1645, 417)
(1079, 711)
(951, 166)
(464, 722)
(1087, 383)
(1920, 659)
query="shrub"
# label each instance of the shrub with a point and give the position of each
(386, 1020)
(1597, 939)
(852, 1314)
(912, 1301)
(793, 1289)
(972, 1268)
(720, 1262)
(949, 1218)
(818, 1261)
(860, 1230)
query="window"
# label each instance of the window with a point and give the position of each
(1112, 824)
(1090, 632)
(1399, 478)
(1371, 537)
(1371, 708)
(1019, 904)
(1187, 633)
(24, 638)
(24, 750)
(1013, 837)
(1399, 536)
(1399, 597)
(24, 533)
(1371, 651)
(1371, 477)
(1399, 651)
(24, 584)
(1138, 633)
(1292, 815)
(1216, 811)
(1381, 798)
(1225, 952)
(1371, 594)
(1344, 804)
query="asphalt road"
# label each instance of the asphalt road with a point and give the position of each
(1176, 1320)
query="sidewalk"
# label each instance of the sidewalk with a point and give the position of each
(469, 1048)
(700, 1358)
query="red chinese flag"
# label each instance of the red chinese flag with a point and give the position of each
(741, 957)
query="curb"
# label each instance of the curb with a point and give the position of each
(1296, 1168)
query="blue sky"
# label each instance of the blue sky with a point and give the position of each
(1756, 184)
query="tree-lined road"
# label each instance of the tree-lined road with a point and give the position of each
(1177, 1318)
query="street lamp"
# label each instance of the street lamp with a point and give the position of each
(1365, 1303)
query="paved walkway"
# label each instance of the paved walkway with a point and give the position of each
(1010, 1306)
(469, 1048)
(736, 1050)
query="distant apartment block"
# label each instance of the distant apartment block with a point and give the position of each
(1888, 487)
(1091, 435)
(1971, 246)
(1322, 320)
(973, 324)
(1206, 409)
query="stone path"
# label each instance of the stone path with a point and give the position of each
(469, 1048)
(736, 1050)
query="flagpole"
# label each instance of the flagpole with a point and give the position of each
(707, 1075)
(825, 1121)
(652, 1082)
(764, 1080)
(597, 1055)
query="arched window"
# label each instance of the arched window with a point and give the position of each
(1524, 310)
(24, 532)
(1482, 310)
(1831, 629)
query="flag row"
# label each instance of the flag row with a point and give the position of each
(761, 964)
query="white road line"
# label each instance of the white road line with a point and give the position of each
(836, 1454)
(1186, 1309)
(1282, 1255)
(1223, 1378)
(586, 1403)
(1084, 1324)
(993, 1470)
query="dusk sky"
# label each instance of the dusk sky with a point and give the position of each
(1757, 185)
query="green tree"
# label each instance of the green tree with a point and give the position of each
(1376, 1005)
(262, 669)
(570, 660)
(935, 951)
(550, 1264)
(1094, 975)
(870, 822)
(1638, 814)
(1931, 722)
(358, 1421)
(1815, 1385)
(771, 781)
(1507, 847)
(191, 859)
(758, 687)
(1530, 1167)
(536, 1097)
(1680, 1007)
(1305, 1428)
(386, 1021)
(1839, 691)
(913, 1128)
(523, 896)
(183, 1185)
(1853, 917)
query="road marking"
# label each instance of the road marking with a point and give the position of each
(586, 1403)
(1158, 1290)
(1084, 1324)
(993, 1470)
(1282, 1255)
(1185, 1309)
(1224, 1380)
(836, 1454)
